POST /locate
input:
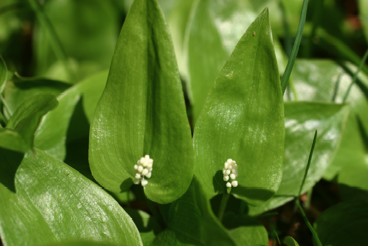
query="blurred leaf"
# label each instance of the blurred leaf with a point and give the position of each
(243, 120)
(52, 139)
(27, 117)
(344, 224)
(249, 235)
(302, 119)
(192, 220)
(363, 14)
(178, 15)
(166, 238)
(142, 111)
(215, 28)
(87, 30)
(290, 241)
(54, 203)
(3, 73)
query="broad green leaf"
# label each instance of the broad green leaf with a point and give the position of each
(325, 81)
(344, 224)
(249, 235)
(27, 117)
(52, 139)
(54, 203)
(142, 111)
(290, 241)
(243, 120)
(214, 30)
(192, 220)
(302, 119)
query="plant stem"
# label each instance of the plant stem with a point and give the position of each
(313, 232)
(223, 205)
(296, 46)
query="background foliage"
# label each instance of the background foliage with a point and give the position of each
(192, 83)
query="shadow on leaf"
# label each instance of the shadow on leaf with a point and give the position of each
(10, 161)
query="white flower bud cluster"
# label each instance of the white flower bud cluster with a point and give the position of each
(230, 173)
(143, 170)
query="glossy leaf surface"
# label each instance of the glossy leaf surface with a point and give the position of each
(344, 224)
(54, 203)
(142, 111)
(302, 119)
(243, 120)
(325, 81)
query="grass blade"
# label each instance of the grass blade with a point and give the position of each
(355, 76)
(308, 163)
(296, 46)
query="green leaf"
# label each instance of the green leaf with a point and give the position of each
(192, 220)
(166, 238)
(214, 30)
(52, 139)
(302, 119)
(290, 241)
(249, 235)
(352, 152)
(344, 224)
(27, 117)
(10, 139)
(53, 203)
(19, 90)
(142, 111)
(243, 120)
(3, 73)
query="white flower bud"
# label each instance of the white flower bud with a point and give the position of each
(234, 183)
(144, 182)
(143, 170)
(230, 173)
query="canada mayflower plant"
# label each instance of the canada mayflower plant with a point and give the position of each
(230, 173)
(143, 170)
